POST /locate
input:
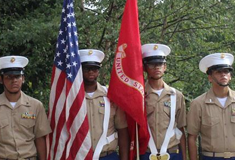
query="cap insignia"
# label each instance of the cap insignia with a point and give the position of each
(155, 47)
(13, 59)
(222, 55)
(90, 52)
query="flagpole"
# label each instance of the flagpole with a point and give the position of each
(137, 143)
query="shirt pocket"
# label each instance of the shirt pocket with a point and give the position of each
(112, 111)
(210, 126)
(233, 124)
(167, 111)
(4, 128)
(27, 127)
(101, 114)
(150, 110)
(27, 123)
(150, 115)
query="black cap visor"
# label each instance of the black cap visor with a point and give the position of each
(154, 59)
(12, 71)
(91, 64)
(219, 67)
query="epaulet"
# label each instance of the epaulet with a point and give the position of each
(173, 90)
(105, 88)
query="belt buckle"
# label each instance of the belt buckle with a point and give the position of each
(177, 151)
(227, 155)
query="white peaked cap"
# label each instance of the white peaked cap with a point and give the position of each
(154, 49)
(91, 56)
(13, 62)
(153, 53)
(216, 60)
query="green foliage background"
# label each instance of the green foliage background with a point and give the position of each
(192, 29)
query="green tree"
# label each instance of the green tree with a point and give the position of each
(192, 28)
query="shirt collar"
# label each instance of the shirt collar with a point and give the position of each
(100, 92)
(23, 100)
(166, 90)
(211, 98)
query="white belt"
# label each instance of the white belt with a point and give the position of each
(104, 139)
(169, 133)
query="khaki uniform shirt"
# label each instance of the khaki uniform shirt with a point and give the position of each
(158, 114)
(20, 126)
(215, 123)
(96, 110)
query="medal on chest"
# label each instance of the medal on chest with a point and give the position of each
(28, 115)
(167, 104)
(102, 104)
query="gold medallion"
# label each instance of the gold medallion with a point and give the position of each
(152, 157)
(165, 156)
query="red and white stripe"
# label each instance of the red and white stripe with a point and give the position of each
(70, 137)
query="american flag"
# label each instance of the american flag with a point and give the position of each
(70, 137)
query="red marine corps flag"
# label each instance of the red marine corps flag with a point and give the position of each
(126, 88)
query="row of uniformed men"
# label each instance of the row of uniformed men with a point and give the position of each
(212, 115)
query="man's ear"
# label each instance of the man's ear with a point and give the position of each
(210, 78)
(165, 66)
(23, 79)
(144, 68)
(0, 79)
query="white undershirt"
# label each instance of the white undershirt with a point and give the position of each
(13, 104)
(90, 94)
(158, 92)
(222, 101)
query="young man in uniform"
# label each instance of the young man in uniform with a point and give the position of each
(165, 108)
(212, 115)
(23, 121)
(108, 127)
